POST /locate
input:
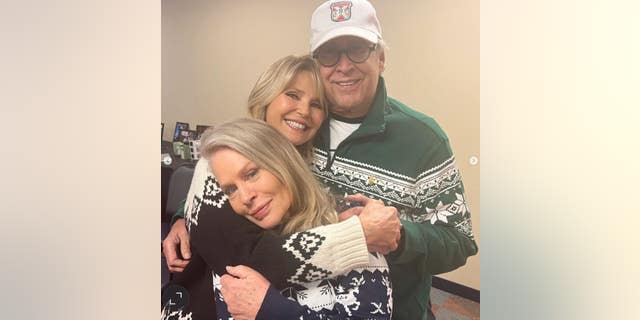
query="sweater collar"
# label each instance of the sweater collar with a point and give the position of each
(373, 123)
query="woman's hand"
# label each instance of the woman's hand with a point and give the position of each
(243, 290)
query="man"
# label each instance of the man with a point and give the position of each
(375, 145)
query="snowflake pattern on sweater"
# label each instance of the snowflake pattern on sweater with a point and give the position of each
(362, 293)
(438, 190)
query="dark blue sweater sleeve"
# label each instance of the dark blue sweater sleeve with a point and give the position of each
(276, 306)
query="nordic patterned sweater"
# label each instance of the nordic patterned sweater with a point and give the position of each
(403, 157)
(315, 267)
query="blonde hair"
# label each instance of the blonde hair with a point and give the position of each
(275, 80)
(311, 206)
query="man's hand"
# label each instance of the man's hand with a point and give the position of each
(243, 290)
(178, 236)
(344, 215)
(380, 224)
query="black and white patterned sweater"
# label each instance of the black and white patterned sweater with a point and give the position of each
(219, 238)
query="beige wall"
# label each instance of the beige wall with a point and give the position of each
(213, 51)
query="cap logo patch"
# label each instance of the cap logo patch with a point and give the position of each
(341, 11)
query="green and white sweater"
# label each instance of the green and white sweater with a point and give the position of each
(403, 157)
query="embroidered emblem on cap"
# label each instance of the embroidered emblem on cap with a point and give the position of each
(341, 11)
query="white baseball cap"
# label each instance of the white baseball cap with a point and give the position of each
(334, 19)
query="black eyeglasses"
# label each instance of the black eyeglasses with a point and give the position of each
(329, 57)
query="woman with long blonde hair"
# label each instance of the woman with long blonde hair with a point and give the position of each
(267, 182)
(288, 96)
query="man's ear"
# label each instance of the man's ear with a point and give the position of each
(381, 60)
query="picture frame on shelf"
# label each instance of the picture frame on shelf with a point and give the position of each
(185, 136)
(200, 129)
(179, 126)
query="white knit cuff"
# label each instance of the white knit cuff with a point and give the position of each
(348, 248)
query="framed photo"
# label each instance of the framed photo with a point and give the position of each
(185, 136)
(200, 129)
(179, 126)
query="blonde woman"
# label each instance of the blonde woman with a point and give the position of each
(267, 182)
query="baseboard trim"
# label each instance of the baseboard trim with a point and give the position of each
(455, 288)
